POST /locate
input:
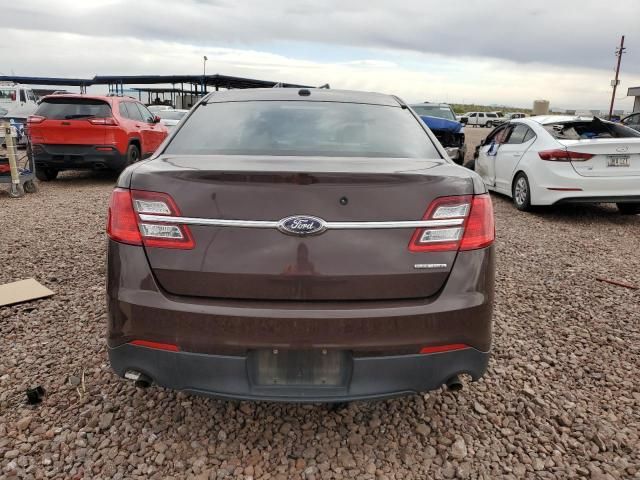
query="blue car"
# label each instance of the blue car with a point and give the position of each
(441, 120)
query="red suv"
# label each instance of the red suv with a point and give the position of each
(81, 131)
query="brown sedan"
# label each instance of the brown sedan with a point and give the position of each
(300, 245)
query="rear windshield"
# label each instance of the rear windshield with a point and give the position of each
(7, 95)
(302, 128)
(434, 111)
(70, 108)
(587, 129)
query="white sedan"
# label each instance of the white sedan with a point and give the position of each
(548, 160)
(171, 118)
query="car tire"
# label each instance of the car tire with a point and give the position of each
(133, 154)
(629, 208)
(489, 125)
(46, 174)
(521, 192)
(30, 187)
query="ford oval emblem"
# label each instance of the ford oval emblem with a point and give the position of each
(622, 149)
(302, 225)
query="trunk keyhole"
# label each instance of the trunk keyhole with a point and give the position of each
(344, 200)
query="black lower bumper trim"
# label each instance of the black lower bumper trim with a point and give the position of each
(625, 199)
(66, 157)
(229, 376)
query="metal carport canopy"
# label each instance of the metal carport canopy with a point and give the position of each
(220, 81)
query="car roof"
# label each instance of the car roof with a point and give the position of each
(315, 95)
(104, 98)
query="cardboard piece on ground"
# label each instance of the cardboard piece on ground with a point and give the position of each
(22, 291)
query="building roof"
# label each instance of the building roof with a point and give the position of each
(634, 92)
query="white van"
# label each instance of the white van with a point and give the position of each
(17, 102)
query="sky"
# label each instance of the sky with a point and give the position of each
(502, 52)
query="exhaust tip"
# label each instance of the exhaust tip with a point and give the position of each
(454, 384)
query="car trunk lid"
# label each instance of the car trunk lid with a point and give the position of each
(265, 263)
(611, 157)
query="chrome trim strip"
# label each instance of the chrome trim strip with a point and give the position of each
(216, 222)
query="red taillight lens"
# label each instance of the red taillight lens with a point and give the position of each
(480, 230)
(475, 227)
(125, 225)
(35, 119)
(103, 121)
(561, 155)
(122, 222)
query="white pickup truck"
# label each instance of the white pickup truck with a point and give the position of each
(480, 119)
(17, 102)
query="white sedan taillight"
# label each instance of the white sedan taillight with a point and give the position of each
(476, 230)
(124, 224)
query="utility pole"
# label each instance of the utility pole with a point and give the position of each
(614, 83)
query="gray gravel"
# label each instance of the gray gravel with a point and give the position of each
(561, 398)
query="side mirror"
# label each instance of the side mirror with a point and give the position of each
(482, 142)
(156, 119)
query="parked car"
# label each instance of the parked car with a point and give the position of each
(95, 132)
(632, 121)
(439, 117)
(320, 247)
(548, 160)
(159, 108)
(17, 102)
(480, 119)
(171, 118)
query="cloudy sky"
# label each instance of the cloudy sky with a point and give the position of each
(483, 51)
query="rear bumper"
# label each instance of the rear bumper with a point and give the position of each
(562, 184)
(216, 336)
(230, 376)
(63, 157)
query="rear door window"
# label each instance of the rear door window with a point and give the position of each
(146, 115)
(72, 108)
(585, 130)
(7, 95)
(518, 134)
(132, 111)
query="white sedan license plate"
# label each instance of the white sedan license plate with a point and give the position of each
(617, 160)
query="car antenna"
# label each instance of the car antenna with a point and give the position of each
(326, 86)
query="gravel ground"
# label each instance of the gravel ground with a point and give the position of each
(561, 398)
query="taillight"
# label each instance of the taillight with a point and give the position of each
(480, 229)
(124, 224)
(103, 121)
(35, 119)
(561, 155)
(122, 221)
(470, 225)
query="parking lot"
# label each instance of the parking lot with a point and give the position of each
(561, 398)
